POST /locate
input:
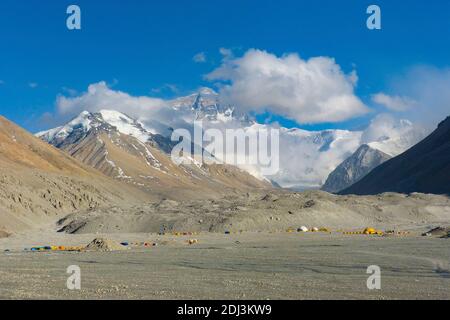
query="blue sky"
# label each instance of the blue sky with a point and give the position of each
(138, 46)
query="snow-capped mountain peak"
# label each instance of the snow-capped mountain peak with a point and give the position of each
(205, 91)
(203, 97)
(205, 104)
(81, 122)
(85, 121)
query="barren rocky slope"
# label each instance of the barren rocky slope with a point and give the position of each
(39, 183)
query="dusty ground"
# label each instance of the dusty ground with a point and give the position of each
(236, 266)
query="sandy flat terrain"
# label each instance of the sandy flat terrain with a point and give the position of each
(236, 266)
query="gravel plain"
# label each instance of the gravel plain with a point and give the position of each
(247, 265)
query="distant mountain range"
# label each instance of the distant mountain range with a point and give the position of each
(123, 149)
(424, 168)
(40, 182)
(306, 157)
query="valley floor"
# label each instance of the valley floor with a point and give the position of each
(236, 266)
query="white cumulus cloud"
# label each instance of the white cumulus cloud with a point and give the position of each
(394, 103)
(99, 96)
(307, 91)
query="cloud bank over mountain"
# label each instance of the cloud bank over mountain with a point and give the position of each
(307, 91)
(99, 96)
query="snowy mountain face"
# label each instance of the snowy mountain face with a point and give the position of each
(79, 125)
(205, 105)
(106, 120)
(354, 168)
(112, 123)
(306, 157)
